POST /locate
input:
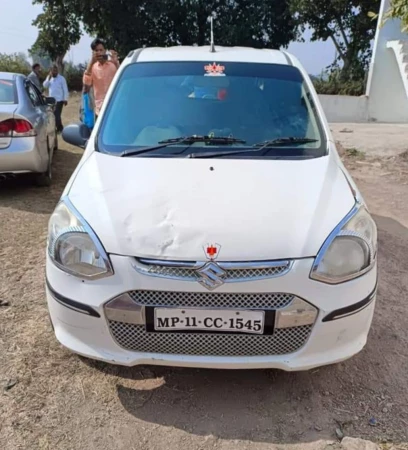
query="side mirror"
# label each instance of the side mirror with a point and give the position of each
(50, 101)
(76, 134)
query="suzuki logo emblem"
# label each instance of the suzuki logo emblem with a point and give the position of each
(211, 276)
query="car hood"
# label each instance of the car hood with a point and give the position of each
(168, 208)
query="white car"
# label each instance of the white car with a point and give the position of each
(210, 222)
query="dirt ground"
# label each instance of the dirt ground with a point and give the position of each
(52, 399)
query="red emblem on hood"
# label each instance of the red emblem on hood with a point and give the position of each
(212, 250)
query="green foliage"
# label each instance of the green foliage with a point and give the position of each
(130, 24)
(334, 84)
(73, 74)
(59, 28)
(355, 153)
(16, 63)
(348, 24)
(399, 10)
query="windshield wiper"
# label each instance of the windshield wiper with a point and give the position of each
(284, 141)
(189, 140)
(256, 147)
(212, 140)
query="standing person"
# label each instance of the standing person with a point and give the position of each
(58, 89)
(100, 72)
(34, 76)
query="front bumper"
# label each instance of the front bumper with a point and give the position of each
(339, 332)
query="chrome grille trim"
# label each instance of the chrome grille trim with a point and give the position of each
(235, 272)
(212, 299)
(136, 338)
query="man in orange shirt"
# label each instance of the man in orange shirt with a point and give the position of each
(100, 72)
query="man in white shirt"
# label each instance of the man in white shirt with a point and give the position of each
(57, 88)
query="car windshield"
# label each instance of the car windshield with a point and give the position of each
(253, 103)
(7, 92)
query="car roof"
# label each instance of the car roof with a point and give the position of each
(10, 76)
(196, 53)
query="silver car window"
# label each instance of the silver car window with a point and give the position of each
(7, 92)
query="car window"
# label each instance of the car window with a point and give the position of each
(153, 102)
(33, 94)
(39, 94)
(8, 93)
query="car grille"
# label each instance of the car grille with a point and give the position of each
(136, 338)
(211, 299)
(231, 274)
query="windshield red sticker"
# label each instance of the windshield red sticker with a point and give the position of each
(214, 70)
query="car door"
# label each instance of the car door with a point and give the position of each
(38, 116)
(49, 111)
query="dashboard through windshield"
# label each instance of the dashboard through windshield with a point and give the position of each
(249, 103)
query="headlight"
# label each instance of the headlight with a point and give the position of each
(349, 251)
(74, 247)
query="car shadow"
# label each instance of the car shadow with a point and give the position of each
(21, 193)
(363, 397)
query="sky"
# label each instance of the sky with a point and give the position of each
(17, 35)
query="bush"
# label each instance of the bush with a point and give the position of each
(333, 85)
(73, 75)
(16, 63)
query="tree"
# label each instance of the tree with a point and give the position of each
(130, 24)
(398, 10)
(42, 59)
(59, 28)
(348, 24)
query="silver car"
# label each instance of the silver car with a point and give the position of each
(28, 136)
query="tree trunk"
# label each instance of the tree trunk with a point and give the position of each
(59, 62)
(345, 71)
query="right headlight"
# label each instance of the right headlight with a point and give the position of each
(74, 247)
(349, 251)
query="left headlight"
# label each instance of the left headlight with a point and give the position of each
(349, 251)
(74, 247)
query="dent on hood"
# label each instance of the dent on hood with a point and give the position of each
(169, 234)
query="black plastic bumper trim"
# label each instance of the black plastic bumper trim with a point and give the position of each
(352, 309)
(72, 304)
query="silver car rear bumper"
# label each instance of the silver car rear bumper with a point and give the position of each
(22, 156)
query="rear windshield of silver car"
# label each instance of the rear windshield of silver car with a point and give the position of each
(154, 102)
(8, 95)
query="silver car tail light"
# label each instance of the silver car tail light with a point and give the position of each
(16, 128)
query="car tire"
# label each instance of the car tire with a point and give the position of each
(44, 179)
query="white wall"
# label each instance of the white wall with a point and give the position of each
(344, 108)
(388, 101)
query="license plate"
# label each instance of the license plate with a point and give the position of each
(191, 319)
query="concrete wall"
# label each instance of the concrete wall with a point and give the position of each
(388, 100)
(344, 108)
